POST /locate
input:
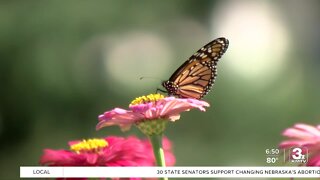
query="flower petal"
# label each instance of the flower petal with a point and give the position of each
(120, 117)
(57, 157)
(164, 108)
(120, 151)
(176, 106)
(307, 136)
(308, 128)
(302, 131)
(295, 143)
(92, 158)
(314, 161)
(152, 113)
(141, 107)
(174, 117)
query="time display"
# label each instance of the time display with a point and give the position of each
(273, 151)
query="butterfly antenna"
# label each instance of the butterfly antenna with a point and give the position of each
(158, 89)
(146, 77)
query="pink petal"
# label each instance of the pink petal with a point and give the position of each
(291, 143)
(92, 158)
(199, 104)
(302, 131)
(70, 143)
(141, 107)
(307, 136)
(295, 133)
(152, 113)
(168, 105)
(177, 106)
(120, 117)
(57, 157)
(307, 128)
(120, 151)
(174, 117)
(314, 161)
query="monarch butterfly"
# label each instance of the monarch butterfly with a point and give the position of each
(195, 77)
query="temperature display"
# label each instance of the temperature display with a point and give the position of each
(272, 155)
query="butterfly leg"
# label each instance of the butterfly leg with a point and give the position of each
(161, 90)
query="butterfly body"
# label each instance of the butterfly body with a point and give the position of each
(195, 77)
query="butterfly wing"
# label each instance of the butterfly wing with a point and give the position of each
(195, 77)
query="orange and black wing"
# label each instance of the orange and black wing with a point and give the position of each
(195, 77)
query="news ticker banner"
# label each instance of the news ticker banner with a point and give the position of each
(170, 172)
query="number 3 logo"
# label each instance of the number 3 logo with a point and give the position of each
(297, 153)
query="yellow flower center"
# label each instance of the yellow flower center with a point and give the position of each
(90, 145)
(147, 99)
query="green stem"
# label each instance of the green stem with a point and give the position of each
(156, 141)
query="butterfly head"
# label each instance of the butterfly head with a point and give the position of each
(171, 87)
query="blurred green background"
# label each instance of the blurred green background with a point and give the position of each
(65, 62)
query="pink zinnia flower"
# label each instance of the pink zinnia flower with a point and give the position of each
(307, 136)
(151, 107)
(109, 151)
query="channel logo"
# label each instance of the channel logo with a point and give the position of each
(298, 155)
